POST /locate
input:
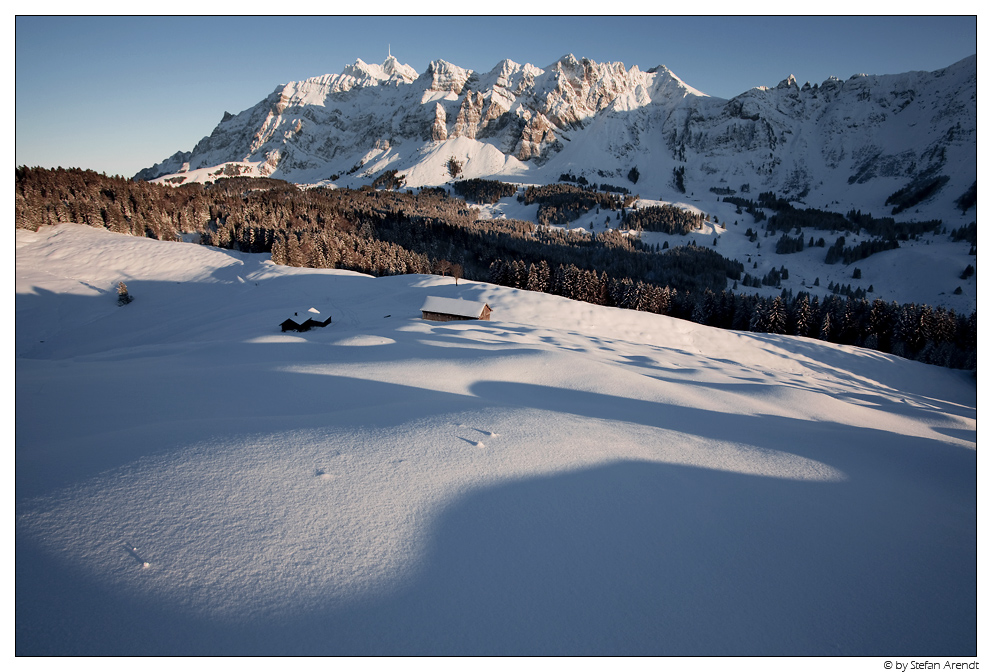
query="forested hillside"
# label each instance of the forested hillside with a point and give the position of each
(394, 232)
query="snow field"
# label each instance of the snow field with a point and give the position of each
(565, 479)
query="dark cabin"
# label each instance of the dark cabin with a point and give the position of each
(304, 320)
(440, 309)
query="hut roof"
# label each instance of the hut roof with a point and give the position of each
(459, 307)
(303, 314)
(300, 316)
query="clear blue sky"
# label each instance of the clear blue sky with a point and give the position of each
(117, 94)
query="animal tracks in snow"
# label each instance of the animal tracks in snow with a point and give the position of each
(477, 442)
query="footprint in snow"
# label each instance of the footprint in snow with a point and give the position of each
(134, 554)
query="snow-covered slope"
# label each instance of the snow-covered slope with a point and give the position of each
(836, 145)
(925, 270)
(564, 479)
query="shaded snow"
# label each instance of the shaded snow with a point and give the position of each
(565, 479)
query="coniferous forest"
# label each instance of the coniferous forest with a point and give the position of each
(383, 232)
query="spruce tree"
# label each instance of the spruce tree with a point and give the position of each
(776, 317)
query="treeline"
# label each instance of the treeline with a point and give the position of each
(559, 204)
(663, 218)
(968, 199)
(484, 191)
(391, 232)
(968, 233)
(934, 336)
(916, 192)
(580, 284)
(568, 177)
(475, 245)
(376, 232)
(390, 179)
(889, 229)
(47, 197)
(840, 252)
(748, 206)
(886, 231)
(789, 245)
(788, 218)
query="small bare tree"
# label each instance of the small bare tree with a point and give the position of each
(442, 266)
(123, 298)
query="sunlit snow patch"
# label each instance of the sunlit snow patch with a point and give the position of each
(365, 340)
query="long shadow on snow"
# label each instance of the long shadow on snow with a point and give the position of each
(632, 557)
(891, 401)
(900, 392)
(639, 558)
(108, 414)
(183, 363)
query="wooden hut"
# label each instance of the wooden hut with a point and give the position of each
(304, 320)
(440, 309)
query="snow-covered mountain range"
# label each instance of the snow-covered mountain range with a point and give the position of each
(837, 144)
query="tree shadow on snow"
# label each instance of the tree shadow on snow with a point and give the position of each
(639, 558)
(629, 558)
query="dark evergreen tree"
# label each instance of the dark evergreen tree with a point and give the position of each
(776, 317)
(801, 316)
(826, 328)
(454, 167)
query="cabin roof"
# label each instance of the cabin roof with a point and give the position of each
(301, 315)
(459, 307)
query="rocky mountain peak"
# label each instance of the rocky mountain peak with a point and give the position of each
(603, 119)
(391, 69)
(788, 83)
(443, 76)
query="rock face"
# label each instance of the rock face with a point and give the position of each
(469, 115)
(604, 118)
(439, 129)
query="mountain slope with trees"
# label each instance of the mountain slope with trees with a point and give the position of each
(392, 232)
